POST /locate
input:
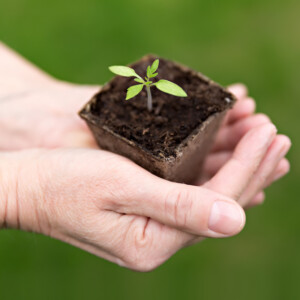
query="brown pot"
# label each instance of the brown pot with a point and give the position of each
(128, 129)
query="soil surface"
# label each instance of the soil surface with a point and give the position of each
(172, 119)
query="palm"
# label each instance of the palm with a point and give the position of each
(32, 97)
(45, 117)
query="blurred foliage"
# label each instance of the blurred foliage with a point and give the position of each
(251, 41)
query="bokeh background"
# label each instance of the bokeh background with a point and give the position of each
(251, 41)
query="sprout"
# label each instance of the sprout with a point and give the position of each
(163, 85)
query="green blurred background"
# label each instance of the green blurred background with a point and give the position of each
(251, 41)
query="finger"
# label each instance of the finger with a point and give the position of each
(191, 209)
(236, 174)
(242, 109)
(195, 209)
(281, 170)
(257, 200)
(212, 164)
(229, 136)
(239, 90)
(278, 149)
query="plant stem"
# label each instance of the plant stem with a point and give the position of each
(149, 101)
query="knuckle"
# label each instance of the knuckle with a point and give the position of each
(141, 254)
(242, 164)
(119, 191)
(261, 179)
(178, 206)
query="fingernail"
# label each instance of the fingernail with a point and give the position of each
(226, 218)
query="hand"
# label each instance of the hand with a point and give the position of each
(237, 123)
(29, 97)
(107, 205)
(93, 200)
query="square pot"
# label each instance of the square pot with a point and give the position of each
(173, 140)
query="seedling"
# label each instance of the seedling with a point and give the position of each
(163, 85)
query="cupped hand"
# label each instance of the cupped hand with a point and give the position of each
(29, 97)
(106, 204)
(109, 206)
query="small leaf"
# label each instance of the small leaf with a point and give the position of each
(149, 73)
(140, 80)
(154, 66)
(133, 91)
(170, 88)
(123, 71)
(154, 75)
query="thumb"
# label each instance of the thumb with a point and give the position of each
(210, 210)
(192, 209)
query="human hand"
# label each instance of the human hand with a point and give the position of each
(109, 206)
(240, 120)
(29, 97)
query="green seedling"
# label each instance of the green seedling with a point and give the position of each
(163, 85)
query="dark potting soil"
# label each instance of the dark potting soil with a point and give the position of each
(172, 119)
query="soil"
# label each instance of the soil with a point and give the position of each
(172, 120)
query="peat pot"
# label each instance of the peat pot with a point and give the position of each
(173, 139)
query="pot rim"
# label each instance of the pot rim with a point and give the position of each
(89, 117)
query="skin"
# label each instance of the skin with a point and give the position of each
(54, 180)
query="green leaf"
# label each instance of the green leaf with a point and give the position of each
(154, 75)
(123, 71)
(170, 88)
(140, 80)
(154, 66)
(149, 73)
(133, 91)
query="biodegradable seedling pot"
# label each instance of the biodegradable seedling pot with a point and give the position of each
(173, 139)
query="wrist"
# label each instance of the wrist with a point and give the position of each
(7, 190)
(18, 194)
